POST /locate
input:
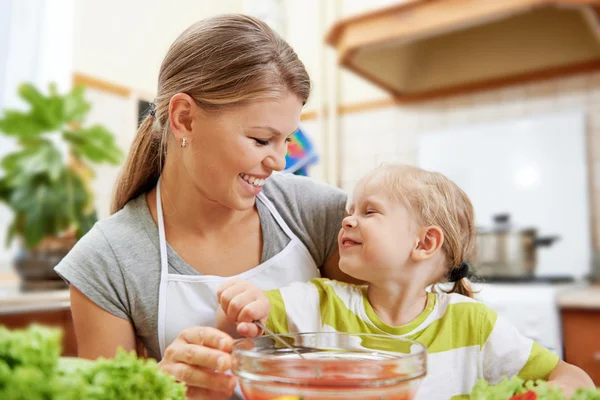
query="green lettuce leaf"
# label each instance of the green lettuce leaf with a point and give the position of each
(510, 387)
(30, 369)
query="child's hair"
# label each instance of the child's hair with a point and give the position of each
(222, 63)
(436, 200)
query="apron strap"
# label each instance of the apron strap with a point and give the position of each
(164, 265)
(164, 271)
(286, 229)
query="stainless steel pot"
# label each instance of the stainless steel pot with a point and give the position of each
(506, 250)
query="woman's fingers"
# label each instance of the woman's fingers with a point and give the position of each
(201, 356)
(207, 336)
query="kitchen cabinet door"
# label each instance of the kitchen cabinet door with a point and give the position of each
(581, 336)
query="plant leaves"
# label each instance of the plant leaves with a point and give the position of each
(4, 190)
(85, 222)
(46, 207)
(18, 124)
(46, 114)
(34, 224)
(15, 227)
(75, 106)
(47, 194)
(49, 110)
(95, 144)
(19, 166)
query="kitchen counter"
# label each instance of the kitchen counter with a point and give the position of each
(583, 298)
(13, 300)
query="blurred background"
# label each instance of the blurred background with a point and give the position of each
(503, 97)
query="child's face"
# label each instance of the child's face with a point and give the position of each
(377, 236)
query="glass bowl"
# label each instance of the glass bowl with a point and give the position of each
(335, 366)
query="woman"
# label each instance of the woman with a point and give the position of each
(197, 203)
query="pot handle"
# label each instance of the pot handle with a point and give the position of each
(546, 241)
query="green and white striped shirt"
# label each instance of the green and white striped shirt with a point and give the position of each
(465, 339)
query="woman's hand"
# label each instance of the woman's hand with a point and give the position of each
(568, 378)
(242, 303)
(199, 357)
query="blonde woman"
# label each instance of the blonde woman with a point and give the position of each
(407, 229)
(197, 204)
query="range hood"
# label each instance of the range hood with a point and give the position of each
(431, 48)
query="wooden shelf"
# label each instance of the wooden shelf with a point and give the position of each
(431, 48)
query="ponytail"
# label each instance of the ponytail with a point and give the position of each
(463, 287)
(142, 167)
(458, 275)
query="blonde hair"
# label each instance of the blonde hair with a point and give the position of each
(222, 63)
(436, 201)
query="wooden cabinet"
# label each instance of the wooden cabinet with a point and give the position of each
(60, 318)
(581, 336)
(417, 50)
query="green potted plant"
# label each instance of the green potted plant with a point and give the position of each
(45, 182)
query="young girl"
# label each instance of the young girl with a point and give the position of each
(407, 229)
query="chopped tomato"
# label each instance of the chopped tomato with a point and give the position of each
(530, 395)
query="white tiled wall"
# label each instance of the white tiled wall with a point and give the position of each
(390, 134)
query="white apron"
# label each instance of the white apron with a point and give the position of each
(191, 300)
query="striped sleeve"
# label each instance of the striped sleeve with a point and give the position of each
(277, 321)
(540, 364)
(506, 352)
(294, 308)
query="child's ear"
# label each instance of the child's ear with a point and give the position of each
(429, 242)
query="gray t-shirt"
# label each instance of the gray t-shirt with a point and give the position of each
(117, 263)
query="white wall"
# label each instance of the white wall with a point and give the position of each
(304, 32)
(125, 41)
(37, 46)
